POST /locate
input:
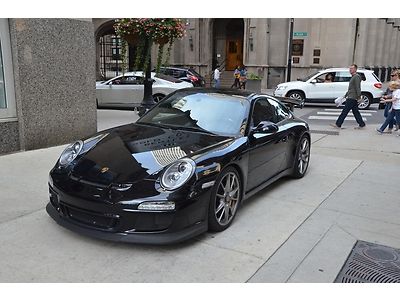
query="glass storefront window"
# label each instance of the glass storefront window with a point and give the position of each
(7, 92)
(3, 102)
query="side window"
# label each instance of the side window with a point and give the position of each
(342, 76)
(263, 111)
(326, 77)
(281, 111)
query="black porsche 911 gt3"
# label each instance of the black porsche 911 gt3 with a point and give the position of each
(182, 169)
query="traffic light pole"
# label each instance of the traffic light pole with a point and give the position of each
(289, 65)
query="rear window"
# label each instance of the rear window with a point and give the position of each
(194, 72)
(168, 78)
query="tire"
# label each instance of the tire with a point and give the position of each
(296, 95)
(302, 157)
(225, 199)
(366, 101)
(158, 97)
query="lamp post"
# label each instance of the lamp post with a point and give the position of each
(289, 65)
(147, 101)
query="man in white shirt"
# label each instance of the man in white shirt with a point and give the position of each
(217, 74)
(395, 110)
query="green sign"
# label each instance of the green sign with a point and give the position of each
(300, 33)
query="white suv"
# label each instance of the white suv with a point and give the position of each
(317, 88)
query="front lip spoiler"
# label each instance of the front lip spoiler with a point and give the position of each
(156, 238)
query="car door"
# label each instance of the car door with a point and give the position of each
(321, 90)
(124, 91)
(341, 83)
(266, 150)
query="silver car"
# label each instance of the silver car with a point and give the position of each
(126, 91)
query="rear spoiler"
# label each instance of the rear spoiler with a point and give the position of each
(290, 102)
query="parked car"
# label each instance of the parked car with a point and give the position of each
(316, 87)
(183, 168)
(127, 90)
(185, 74)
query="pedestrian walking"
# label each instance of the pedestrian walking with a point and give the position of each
(243, 78)
(394, 111)
(352, 96)
(236, 75)
(388, 104)
(217, 75)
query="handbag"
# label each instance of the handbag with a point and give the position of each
(340, 100)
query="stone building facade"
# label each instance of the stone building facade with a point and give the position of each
(47, 82)
(261, 44)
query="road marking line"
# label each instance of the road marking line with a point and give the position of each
(331, 118)
(339, 110)
(338, 113)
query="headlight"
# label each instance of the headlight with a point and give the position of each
(177, 174)
(282, 87)
(70, 153)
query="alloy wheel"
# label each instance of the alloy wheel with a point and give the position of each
(304, 156)
(364, 103)
(227, 199)
(296, 95)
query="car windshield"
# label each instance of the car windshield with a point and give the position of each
(168, 78)
(214, 113)
(308, 77)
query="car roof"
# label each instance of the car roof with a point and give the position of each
(344, 69)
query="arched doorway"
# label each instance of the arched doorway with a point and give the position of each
(228, 43)
(108, 51)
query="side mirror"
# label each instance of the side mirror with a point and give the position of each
(265, 127)
(313, 81)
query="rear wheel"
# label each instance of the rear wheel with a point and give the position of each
(302, 157)
(365, 102)
(225, 199)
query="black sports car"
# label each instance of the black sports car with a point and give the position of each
(182, 169)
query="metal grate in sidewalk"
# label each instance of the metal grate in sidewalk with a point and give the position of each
(371, 263)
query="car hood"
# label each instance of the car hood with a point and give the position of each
(134, 152)
(297, 83)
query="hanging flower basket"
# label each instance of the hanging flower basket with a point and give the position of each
(162, 40)
(133, 39)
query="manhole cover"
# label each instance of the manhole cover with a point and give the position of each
(370, 263)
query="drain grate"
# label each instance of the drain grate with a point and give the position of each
(370, 263)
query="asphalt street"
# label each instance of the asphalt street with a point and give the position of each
(294, 231)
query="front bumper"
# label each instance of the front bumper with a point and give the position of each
(155, 238)
(280, 93)
(120, 222)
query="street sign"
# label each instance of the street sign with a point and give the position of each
(300, 33)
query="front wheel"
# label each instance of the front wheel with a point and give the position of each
(296, 95)
(225, 199)
(302, 157)
(158, 97)
(365, 102)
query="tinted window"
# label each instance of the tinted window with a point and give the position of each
(343, 76)
(217, 113)
(168, 78)
(193, 72)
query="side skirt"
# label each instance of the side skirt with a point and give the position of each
(255, 190)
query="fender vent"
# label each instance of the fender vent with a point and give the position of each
(369, 263)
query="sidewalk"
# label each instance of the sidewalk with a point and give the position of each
(294, 231)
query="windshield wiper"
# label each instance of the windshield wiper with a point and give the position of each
(155, 125)
(196, 129)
